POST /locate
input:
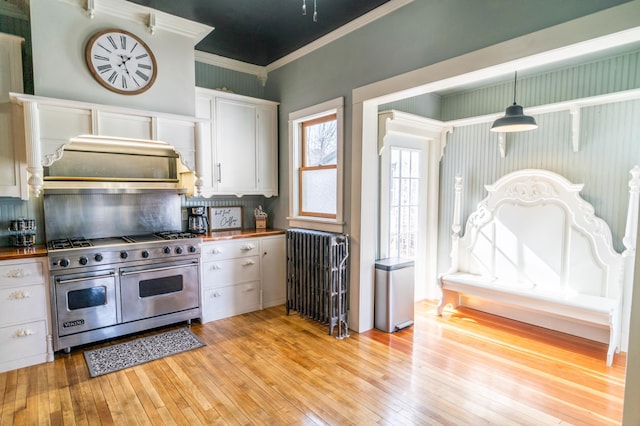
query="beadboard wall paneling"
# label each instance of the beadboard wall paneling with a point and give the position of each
(612, 74)
(213, 77)
(11, 209)
(609, 148)
(248, 202)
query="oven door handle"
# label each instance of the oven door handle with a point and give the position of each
(164, 268)
(93, 277)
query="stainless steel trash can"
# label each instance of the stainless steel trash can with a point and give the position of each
(394, 294)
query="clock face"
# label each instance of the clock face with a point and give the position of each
(121, 62)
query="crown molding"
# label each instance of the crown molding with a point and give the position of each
(151, 18)
(358, 23)
(232, 64)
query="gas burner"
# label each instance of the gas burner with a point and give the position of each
(65, 243)
(175, 235)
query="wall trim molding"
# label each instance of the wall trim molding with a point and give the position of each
(151, 18)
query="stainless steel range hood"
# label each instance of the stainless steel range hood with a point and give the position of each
(114, 165)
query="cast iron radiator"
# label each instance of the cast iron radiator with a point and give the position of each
(317, 285)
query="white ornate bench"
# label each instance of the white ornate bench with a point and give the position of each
(534, 248)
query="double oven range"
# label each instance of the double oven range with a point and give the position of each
(107, 287)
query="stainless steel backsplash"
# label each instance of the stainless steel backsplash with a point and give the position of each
(108, 215)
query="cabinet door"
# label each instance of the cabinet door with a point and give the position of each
(235, 146)
(205, 153)
(13, 173)
(267, 146)
(274, 276)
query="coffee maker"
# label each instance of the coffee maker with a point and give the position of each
(198, 223)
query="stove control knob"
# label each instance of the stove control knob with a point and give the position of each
(124, 254)
(64, 263)
(179, 250)
(83, 260)
(145, 253)
(166, 249)
(193, 249)
(98, 257)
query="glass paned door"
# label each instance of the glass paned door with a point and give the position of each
(404, 202)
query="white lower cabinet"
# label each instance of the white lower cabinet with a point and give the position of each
(236, 275)
(274, 275)
(25, 338)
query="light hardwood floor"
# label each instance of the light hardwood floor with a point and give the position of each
(269, 368)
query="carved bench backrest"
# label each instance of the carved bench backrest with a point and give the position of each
(533, 230)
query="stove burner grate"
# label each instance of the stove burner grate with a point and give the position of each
(175, 235)
(65, 243)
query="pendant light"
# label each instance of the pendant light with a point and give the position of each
(315, 10)
(514, 119)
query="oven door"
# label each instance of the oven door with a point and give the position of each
(85, 301)
(160, 288)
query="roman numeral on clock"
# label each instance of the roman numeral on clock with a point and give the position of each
(104, 68)
(142, 76)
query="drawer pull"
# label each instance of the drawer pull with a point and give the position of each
(247, 290)
(248, 247)
(249, 262)
(17, 273)
(216, 294)
(215, 267)
(20, 294)
(216, 250)
(24, 332)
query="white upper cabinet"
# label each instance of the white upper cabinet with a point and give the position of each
(240, 152)
(13, 172)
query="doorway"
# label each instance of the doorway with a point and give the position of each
(410, 149)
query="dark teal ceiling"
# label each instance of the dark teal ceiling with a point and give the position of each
(262, 31)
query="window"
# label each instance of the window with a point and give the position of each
(315, 189)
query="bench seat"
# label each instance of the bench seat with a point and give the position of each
(566, 303)
(535, 245)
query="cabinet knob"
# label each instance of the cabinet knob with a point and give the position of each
(248, 247)
(20, 294)
(17, 273)
(24, 332)
(215, 267)
(216, 251)
(248, 262)
(216, 294)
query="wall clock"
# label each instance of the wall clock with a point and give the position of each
(121, 61)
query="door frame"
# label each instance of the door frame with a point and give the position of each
(433, 136)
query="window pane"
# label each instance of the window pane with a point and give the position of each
(395, 162)
(319, 191)
(406, 164)
(415, 164)
(321, 141)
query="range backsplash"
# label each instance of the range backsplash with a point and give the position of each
(108, 215)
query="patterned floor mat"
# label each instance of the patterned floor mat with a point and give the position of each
(123, 355)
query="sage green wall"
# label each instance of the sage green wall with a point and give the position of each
(421, 33)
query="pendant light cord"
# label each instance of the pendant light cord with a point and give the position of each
(515, 85)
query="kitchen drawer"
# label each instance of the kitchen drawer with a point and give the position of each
(13, 274)
(226, 272)
(23, 341)
(18, 305)
(230, 249)
(231, 300)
